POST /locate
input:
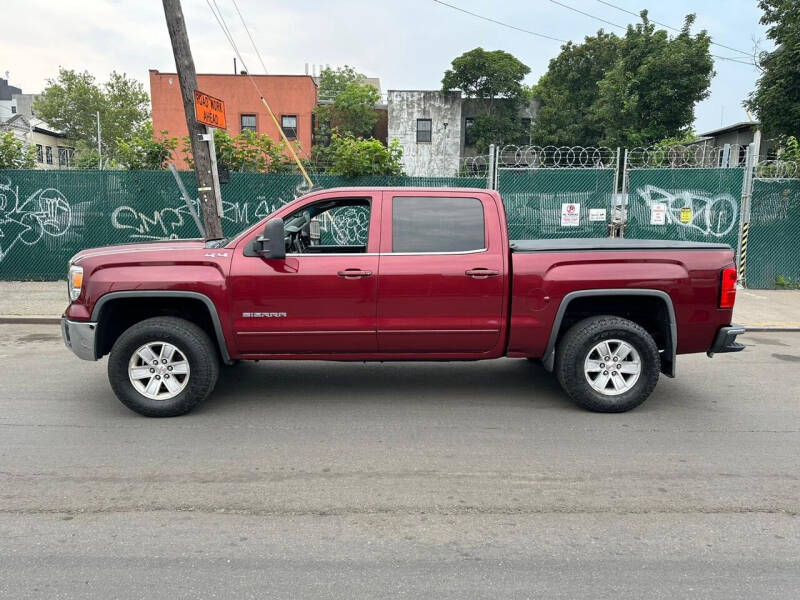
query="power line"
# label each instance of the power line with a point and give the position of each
(224, 26)
(252, 41)
(630, 12)
(596, 18)
(541, 35)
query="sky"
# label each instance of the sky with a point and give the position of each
(407, 44)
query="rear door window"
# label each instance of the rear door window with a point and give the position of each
(426, 224)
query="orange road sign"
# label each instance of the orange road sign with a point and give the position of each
(209, 110)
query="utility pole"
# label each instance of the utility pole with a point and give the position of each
(187, 77)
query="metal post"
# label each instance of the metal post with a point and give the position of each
(99, 151)
(744, 212)
(212, 150)
(624, 197)
(490, 173)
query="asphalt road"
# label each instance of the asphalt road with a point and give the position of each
(473, 480)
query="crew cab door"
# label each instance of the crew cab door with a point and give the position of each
(320, 299)
(442, 274)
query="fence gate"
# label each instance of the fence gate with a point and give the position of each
(691, 193)
(556, 192)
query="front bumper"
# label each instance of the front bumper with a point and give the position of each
(726, 340)
(79, 336)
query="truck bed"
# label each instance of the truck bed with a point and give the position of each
(566, 244)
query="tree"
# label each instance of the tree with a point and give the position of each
(247, 152)
(776, 99)
(352, 107)
(624, 91)
(14, 154)
(495, 79)
(143, 151)
(356, 156)
(70, 103)
(569, 88)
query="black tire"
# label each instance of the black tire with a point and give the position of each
(576, 345)
(190, 340)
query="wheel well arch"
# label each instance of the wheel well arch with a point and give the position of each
(116, 311)
(651, 309)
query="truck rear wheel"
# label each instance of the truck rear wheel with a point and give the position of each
(163, 367)
(607, 364)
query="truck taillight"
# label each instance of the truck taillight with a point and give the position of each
(727, 293)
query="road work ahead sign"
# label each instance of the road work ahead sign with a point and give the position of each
(209, 110)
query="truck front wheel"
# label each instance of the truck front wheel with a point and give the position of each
(607, 364)
(163, 367)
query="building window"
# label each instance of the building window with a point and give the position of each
(469, 137)
(13, 109)
(248, 122)
(39, 153)
(424, 129)
(48, 152)
(65, 156)
(289, 126)
(525, 135)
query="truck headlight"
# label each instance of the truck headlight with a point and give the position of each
(74, 282)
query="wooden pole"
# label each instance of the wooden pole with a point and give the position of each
(187, 77)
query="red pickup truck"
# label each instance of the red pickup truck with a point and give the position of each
(376, 274)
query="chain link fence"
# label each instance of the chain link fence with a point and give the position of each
(48, 216)
(773, 243)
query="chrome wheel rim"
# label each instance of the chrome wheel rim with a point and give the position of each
(158, 370)
(612, 367)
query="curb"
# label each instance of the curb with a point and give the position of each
(773, 329)
(23, 320)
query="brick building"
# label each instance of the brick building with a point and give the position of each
(291, 97)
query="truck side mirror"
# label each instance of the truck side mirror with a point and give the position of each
(271, 243)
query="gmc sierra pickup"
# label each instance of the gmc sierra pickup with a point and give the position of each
(376, 274)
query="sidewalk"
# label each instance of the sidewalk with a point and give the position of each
(43, 302)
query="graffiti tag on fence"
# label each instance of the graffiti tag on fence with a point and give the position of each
(710, 215)
(45, 213)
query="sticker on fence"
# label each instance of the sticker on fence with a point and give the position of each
(570, 215)
(658, 214)
(686, 215)
(597, 214)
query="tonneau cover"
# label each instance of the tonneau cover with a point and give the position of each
(568, 244)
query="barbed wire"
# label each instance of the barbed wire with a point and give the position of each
(777, 169)
(556, 157)
(690, 156)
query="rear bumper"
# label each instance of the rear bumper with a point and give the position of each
(80, 337)
(726, 340)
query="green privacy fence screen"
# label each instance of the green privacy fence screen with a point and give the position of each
(773, 248)
(538, 202)
(692, 204)
(48, 216)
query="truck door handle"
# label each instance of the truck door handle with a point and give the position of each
(481, 273)
(354, 273)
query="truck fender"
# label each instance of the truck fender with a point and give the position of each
(548, 359)
(209, 304)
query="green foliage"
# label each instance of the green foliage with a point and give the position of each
(776, 99)
(143, 151)
(70, 103)
(568, 90)
(247, 152)
(495, 79)
(352, 111)
(787, 283)
(687, 137)
(88, 159)
(624, 91)
(14, 154)
(787, 161)
(352, 157)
